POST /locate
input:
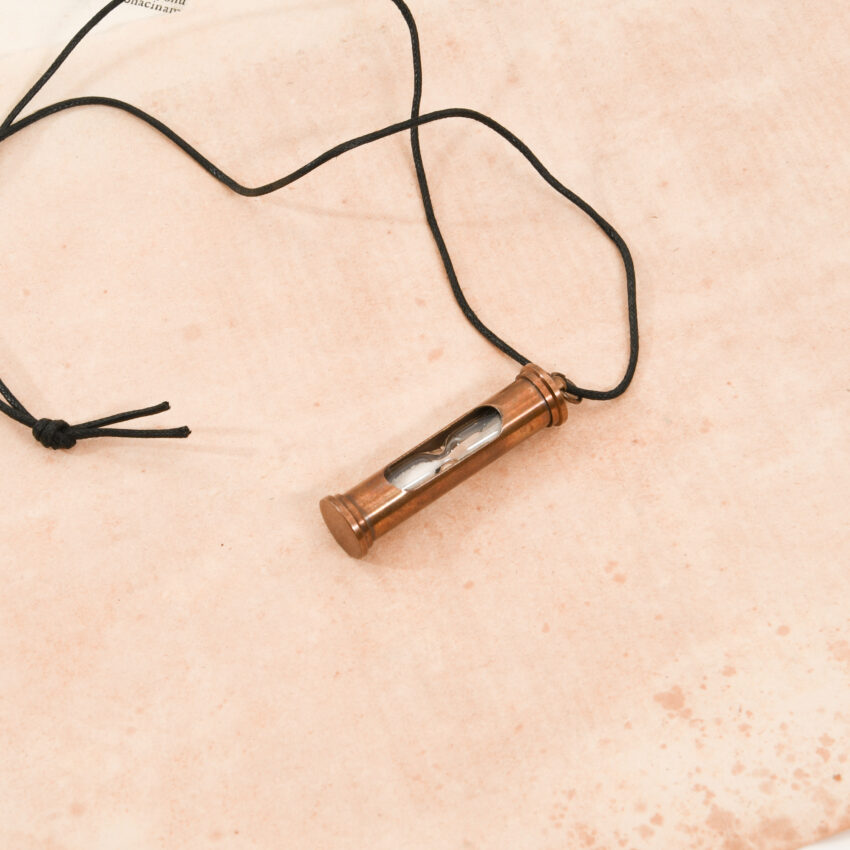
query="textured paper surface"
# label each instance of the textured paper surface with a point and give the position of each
(632, 632)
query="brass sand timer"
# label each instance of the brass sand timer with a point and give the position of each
(535, 400)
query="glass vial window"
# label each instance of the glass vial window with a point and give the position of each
(445, 449)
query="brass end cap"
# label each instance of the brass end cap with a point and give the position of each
(347, 524)
(551, 389)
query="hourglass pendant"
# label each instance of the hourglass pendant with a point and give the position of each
(535, 400)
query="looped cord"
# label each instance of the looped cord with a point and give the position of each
(58, 434)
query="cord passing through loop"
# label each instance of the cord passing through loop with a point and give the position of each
(569, 390)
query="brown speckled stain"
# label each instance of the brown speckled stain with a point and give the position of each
(672, 700)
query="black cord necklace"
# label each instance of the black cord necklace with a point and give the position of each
(449, 450)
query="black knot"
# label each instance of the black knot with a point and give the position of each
(54, 434)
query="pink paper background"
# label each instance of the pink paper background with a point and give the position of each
(632, 632)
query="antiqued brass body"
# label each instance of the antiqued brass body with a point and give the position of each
(535, 400)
